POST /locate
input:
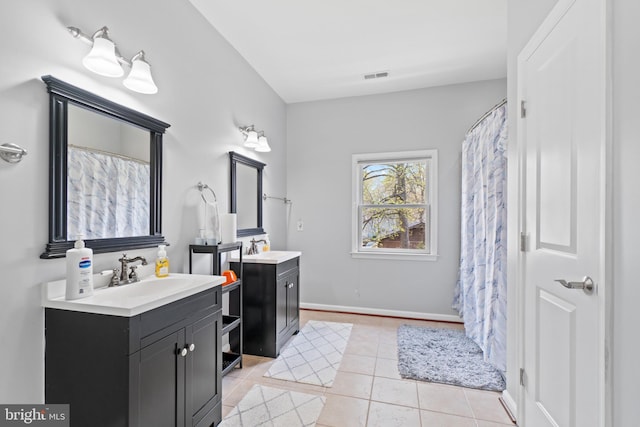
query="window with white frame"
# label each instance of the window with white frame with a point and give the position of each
(394, 212)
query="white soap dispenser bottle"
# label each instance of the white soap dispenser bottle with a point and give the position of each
(79, 271)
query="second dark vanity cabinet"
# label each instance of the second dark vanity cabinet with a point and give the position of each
(271, 303)
(159, 368)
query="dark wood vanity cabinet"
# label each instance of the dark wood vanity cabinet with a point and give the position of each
(159, 368)
(271, 303)
(287, 305)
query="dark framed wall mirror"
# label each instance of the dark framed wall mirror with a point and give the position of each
(246, 193)
(105, 173)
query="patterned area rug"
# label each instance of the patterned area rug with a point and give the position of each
(267, 406)
(445, 356)
(314, 355)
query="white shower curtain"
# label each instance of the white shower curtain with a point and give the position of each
(481, 291)
(107, 195)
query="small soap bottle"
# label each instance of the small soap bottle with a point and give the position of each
(79, 271)
(267, 244)
(162, 262)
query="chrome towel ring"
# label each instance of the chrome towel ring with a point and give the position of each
(203, 187)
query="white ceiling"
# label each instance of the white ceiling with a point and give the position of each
(310, 50)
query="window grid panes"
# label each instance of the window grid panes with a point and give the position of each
(393, 206)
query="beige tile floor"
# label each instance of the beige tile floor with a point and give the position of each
(368, 390)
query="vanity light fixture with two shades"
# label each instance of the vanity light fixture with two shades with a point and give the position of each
(105, 59)
(255, 139)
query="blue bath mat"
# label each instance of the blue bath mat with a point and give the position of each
(445, 356)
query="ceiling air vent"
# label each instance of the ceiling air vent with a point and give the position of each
(377, 75)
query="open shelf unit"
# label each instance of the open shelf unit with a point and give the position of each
(231, 322)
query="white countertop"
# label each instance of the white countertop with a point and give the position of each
(269, 257)
(133, 299)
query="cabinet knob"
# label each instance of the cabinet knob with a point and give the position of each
(192, 347)
(184, 352)
(290, 285)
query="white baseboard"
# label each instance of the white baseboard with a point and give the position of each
(382, 312)
(510, 403)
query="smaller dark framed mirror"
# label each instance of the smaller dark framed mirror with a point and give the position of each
(82, 123)
(246, 193)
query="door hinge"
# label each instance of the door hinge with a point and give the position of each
(524, 241)
(523, 109)
(523, 377)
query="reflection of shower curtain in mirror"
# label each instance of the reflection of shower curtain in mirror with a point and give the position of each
(107, 195)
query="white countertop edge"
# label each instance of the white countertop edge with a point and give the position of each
(268, 257)
(53, 297)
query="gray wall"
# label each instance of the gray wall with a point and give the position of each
(626, 205)
(206, 90)
(321, 137)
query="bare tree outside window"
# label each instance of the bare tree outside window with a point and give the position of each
(394, 205)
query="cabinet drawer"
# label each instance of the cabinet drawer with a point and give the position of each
(285, 267)
(179, 311)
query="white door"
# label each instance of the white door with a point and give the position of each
(562, 134)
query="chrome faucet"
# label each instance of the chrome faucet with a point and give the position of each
(253, 249)
(126, 277)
